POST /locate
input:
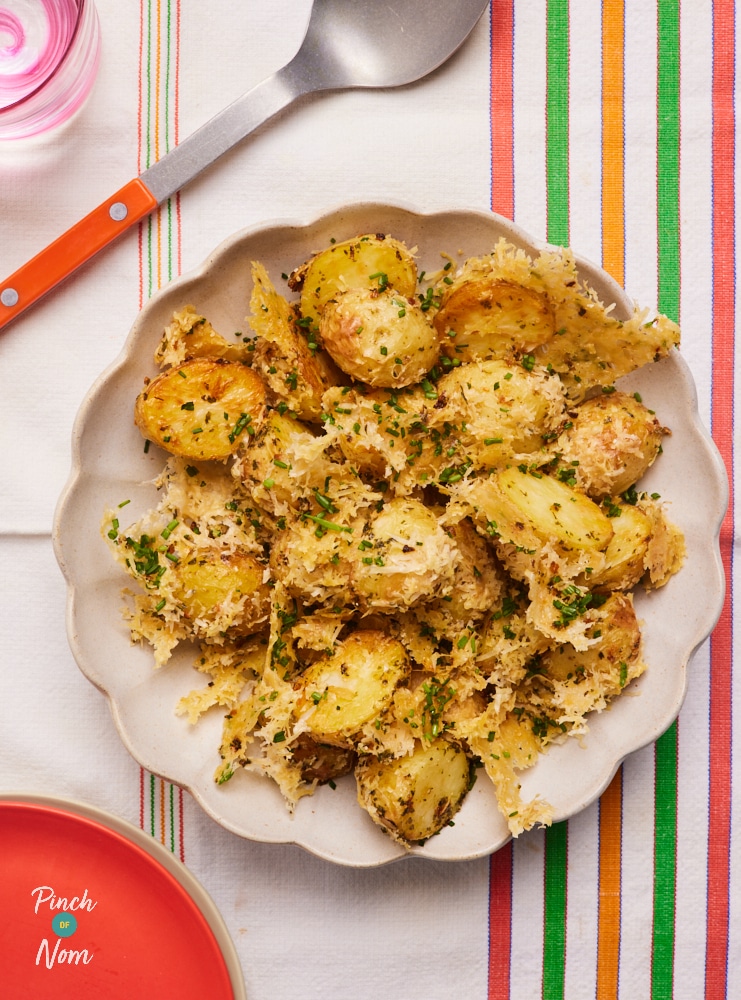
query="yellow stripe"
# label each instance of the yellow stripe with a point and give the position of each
(613, 221)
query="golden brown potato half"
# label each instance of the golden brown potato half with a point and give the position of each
(219, 588)
(201, 409)
(610, 443)
(528, 510)
(364, 262)
(488, 317)
(349, 688)
(380, 338)
(414, 797)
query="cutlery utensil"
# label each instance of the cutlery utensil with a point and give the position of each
(377, 43)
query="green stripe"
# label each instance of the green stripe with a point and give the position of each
(665, 867)
(668, 157)
(148, 132)
(557, 132)
(554, 925)
(665, 818)
(151, 804)
(172, 818)
(557, 192)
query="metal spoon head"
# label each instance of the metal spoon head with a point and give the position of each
(383, 43)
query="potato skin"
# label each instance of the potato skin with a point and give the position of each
(321, 762)
(414, 797)
(380, 338)
(369, 261)
(201, 408)
(489, 317)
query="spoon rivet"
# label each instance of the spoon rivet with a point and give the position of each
(118, 211)
(9, 297)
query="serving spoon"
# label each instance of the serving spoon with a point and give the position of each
(376, 43)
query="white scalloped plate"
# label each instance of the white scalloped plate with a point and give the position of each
(110, 465)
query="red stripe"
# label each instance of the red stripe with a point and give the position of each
(503, 203)
(176, 133)
(500, 923)
(176, 109)
(721, 659)
(502, 109)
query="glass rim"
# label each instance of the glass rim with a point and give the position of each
(82, 6)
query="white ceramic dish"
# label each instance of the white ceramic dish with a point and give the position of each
(110, 465)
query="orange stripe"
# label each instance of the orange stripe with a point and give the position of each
(608, 921)
(613, 153)
(613, 260)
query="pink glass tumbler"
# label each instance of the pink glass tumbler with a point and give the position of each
(49, 52)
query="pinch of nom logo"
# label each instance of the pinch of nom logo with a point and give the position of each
(64, 924)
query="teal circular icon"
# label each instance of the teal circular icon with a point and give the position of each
(64, 925)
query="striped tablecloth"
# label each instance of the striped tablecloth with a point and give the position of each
(607, 126)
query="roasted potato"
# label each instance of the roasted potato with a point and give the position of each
(609, 444)
(626, 552)
(364, 262)
(314, 565)
(478, 580)
(350, 687)
(528, 510)
(321, 762)
(500, 411)
(379, 337)
(201, 409)
(402, 556)
(230, 592)
(614, 654)
(490, 317)
(266, 467)
(414, 797)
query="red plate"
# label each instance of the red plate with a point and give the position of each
(92, 907)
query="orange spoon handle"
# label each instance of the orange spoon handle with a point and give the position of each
(88, 236)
